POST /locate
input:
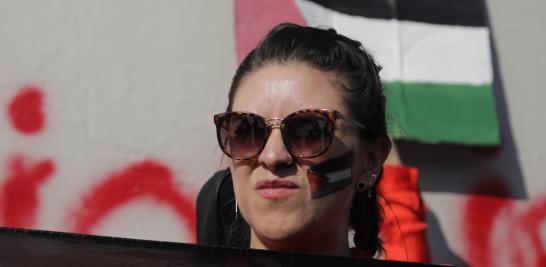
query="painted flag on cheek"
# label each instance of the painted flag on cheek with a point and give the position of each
(436, 58)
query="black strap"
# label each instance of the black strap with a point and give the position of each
(215, 210)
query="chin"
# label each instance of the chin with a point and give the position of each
(279, 228)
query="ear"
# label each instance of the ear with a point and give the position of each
(376, 154)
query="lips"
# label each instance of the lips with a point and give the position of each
(265, 184)
(275, 189)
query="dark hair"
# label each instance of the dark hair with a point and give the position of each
(326, 50)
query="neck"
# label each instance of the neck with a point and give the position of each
(336, 245)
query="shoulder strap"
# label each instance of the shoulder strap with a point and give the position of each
(213, 209)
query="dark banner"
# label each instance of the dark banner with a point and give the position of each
(21, 247)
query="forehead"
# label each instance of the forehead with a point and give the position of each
(276, 90)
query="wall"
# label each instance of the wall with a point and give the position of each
(106, 126)
(106, 113)
(487, 205)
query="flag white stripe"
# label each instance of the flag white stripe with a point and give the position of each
(338, 175)
(414, 51)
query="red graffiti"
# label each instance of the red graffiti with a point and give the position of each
(530, 223)
(25, 111)
(481, 209)
(19, 195)
(500, 230)
(146, 179)
(19, 199)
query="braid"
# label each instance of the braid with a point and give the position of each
(366, 218)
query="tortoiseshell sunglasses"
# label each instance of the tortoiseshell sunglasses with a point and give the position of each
(306, 133)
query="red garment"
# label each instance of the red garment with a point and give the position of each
(405, 233)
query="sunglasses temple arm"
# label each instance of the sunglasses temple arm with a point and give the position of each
(351, 120)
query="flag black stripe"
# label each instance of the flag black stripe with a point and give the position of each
(448, 12)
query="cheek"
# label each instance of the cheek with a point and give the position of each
(243, 188)
(240, 176)
(335, 206)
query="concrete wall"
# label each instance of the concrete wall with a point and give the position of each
(106, 126)
(106, 113)
(487, 206)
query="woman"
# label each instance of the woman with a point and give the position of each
(305, 129)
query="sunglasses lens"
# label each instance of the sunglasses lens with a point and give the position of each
(308, 134)
(241, 136)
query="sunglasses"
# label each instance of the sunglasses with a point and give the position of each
(306, 133)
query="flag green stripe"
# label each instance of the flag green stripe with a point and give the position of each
(453, 113)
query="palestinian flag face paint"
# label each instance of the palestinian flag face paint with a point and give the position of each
(331, 175)
(436, 58)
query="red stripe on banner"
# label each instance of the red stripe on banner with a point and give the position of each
(254, 18)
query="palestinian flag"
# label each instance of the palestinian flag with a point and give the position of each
(436, 58)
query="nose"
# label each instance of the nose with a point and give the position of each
(274, 155)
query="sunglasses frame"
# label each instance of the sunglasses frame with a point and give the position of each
(330, 114)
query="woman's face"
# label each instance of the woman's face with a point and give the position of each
(293, 218)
